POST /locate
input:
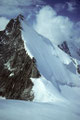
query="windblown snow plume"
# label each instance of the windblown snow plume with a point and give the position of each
(55, 27)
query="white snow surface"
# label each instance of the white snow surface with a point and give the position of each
(20, 110)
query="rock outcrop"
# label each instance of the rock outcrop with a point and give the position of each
(16, 66)
(65, 48)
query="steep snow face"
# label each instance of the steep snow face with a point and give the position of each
(55, 66)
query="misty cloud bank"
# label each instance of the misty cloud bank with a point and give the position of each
(56, 28)
(11, 8)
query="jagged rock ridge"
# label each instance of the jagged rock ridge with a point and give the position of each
(65, 48)
(16, 66)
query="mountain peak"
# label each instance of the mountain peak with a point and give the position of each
(16, 65)
(14, 24)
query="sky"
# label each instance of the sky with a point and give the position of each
(70, 8)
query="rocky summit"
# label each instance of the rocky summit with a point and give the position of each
(16, 66)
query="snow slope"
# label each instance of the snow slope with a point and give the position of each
(56, 67)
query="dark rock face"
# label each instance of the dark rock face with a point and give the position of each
(16, 67)
(78, 69)
(64, 47)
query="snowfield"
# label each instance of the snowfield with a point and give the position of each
(20, 110)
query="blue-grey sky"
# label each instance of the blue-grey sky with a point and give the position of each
(70, 8)
(11, 8)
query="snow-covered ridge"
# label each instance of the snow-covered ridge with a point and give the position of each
(54, 65)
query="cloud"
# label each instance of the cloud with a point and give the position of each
(59, 6)
(54, 27)
(9, 11)
(19, 2)
(3, 22)
(12, 8)
(71, 6)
